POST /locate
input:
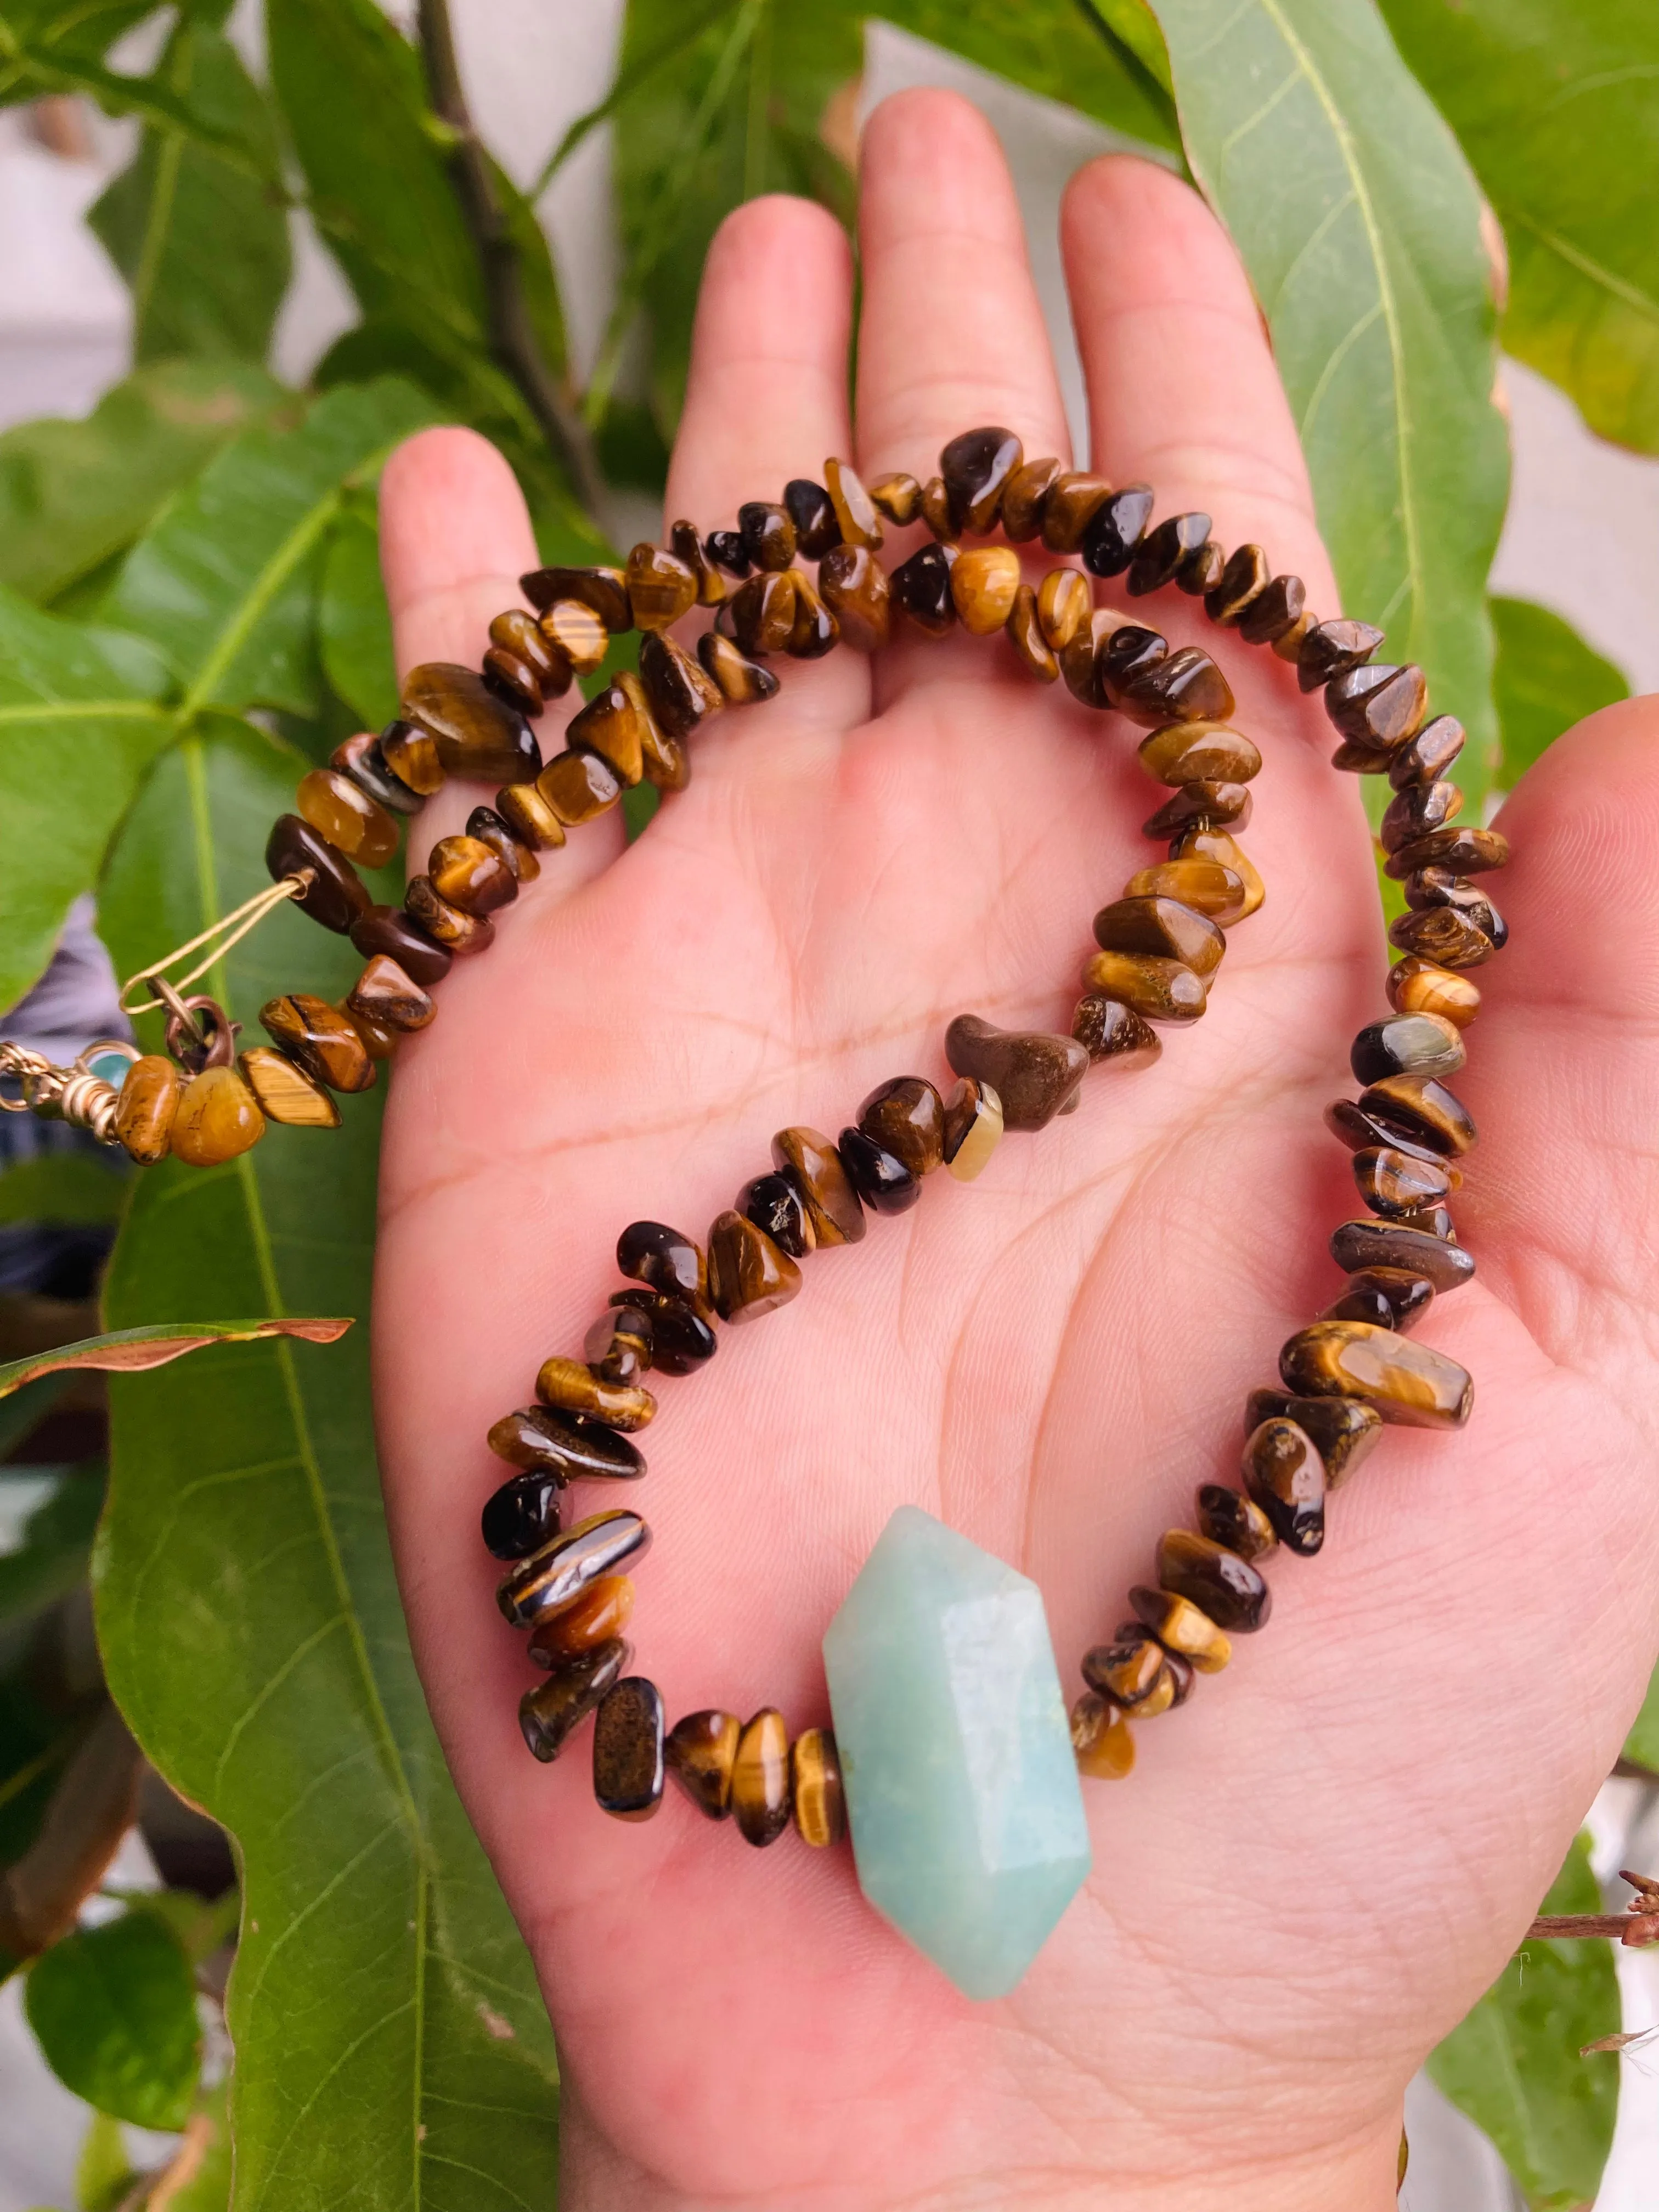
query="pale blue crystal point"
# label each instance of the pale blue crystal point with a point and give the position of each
(962, 1788)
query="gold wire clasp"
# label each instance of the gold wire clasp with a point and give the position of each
(219, 938)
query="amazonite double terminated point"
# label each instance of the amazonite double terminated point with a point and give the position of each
(962, 1789)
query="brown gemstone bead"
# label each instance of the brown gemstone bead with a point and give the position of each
(518, 633)
(602, 1612)
(1406, 1381)
(1273, 611)
(628, 1749)
(404, 756)
(660, 587)
(604, 589)
(680, 694)
(814, 629)
(1286, 1476)
(1438, 887)
(1188, 752)
(1065, 604)
(1200, 805)
(1204, 886)
(976, 468)
(489, 828)
(514, 680)
(774, 1203)
(1410, 1044)
(1183, 1630)
(880, 1177)
(650, 1252)
(144, 1110)
(574, 1448)
(1461, 845)
(973, 1127)
(725, 549)
(528, 817)
(665, 761)
(936, 511)
(760, 1778)
(681, 1336)
(1133, 1670)
(570, 1388)
(982, 586)
(1032, 1071)
(1108, 1029)
(217, 1117)
(527, 1512)
(551, 1713)
(1074, 499)
(762, 611)
(1429, 754)
(471, 875)
(320, 1039)
(684, 544)
(1237, 1523)
(898, 496)
(1444, 935)
(854, 588)
(1420, 807)
(1024, 497)
(446, 925)
(1423, 1110)
(578, 785)
(1359, 1130)
(1343, 1429)
(1082, 658)
(551, 1579)
(380, 1041)
(1392, 1182)
(1222, 847)
(1164, 550)
(1164, 927)
(814, 1789)
(1185, 686)
(1390, 1298)
(1105, 1749)
(1240, 584)
(768, 534)
(1218, 1582)
(1378, 705)
(1116, 529)
(906, 1117)
(578, 638)
(1025, 635)
(1356, 1244)
(1202, 569)
(336, 894)
(741, 682)
(856, 514)
(1288, 644)
(701, 1752)
(344, 813)
(921, 589)
(810, 508)
(809, 1158)
(1417, 985)
(1332, 648)
(612, 725)
(478, 735)
(1159, 988)
(385, 995)
(748, 1275)
(618, 1348)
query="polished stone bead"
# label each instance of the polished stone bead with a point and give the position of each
(1161, 926)
(575, 635)
(961, 1793)
(1164, 550)
(1202, 804)
(1433, 1220)
(1438, 887)
(741, 682)
(1423, 1110)
(1188, 752)
(1128, 653)
(1390, 1298)
(1074, 498)
(1237, 1523)
(1032, 1071)
(973, 1128)
(748, 1275)
(1461, 846)
(1184, 686)
(665, 761)
(628, 1749)
(1405, 1382)
(1083, 658)
(815, 1797)
(983, 583)
(1429, 754)
(762, 611)
(602, 1612)
(810, 509)
(514, 679)
(679, 692)
(471, 875)
(604, 589)
(578, 785)
(1116, 529)
(563, 1445)
(1392, 1182)
(976, 468)
(774, 1203)
(478, 735)
(1410, 1044)
(522, 1516)
(570, 1386)
(144, 1110)
(1183, 1630)
(660, 587)
(444, 924)
(335, 895)
(1102, 1742)
(550, 1714)
(342, 812)
(907, 1118)
(1358, 1130)
(1157, 989)
(1356, 1244)
(682, 1338)
(380, 1041)
(684, 544)
(363, 761)
(1344, 1431)
(1224, 850)
(1108, 1029)
(1378, 706)
(612, 725)
(1216, 1581)
(617, 1347)
(897, 495)
(320, 1039)
(881, 1179)
(551, 1579)
(1444, 935)
(384, 992)
(1286, 1477)
(1332, 648)
(724, 549)
(490, 828)
(528, 816)
(1134, 1672)
(936, 511)
(855, 588)
(1024, 497)
(1417, 985)
(1420, 807)
(216, 1118)
(760, 1778)
(665, 1259)
(1202, 569)
(1273, 611)
(1208, 888)
(767, 533)
(815, 629)
(1288, 644)
(921, 589)
(1064, 606)
(812, 1163)
(1241, 583)
(701, 1752)
(857, 516)
(1024, 629)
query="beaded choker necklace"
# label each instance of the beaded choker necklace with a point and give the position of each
(952, 1759)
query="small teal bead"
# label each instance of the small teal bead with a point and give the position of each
(111, 1066)
(963, 1798)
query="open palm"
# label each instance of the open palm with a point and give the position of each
(1321, 1858)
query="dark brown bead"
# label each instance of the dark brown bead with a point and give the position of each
(1433, 1220)
(1392, 1182)
(487, 827)
(880, 1177)
(1356, 1244)
(569, 1386)
(1082, 658)
(1237, 1523)
(936, 511)
(774, 1203)
(685, 545)
(1359, 1130)
(386, 994)
(1024, 498)
(1406, 1381)
(603, 1611)
(628, 1749)
(578, 785)
(1438, 887)
(1108, 1029)
(548, 1580)
(411, 754)
(760, 1779)
(1461, 846)
(1192, 752)
(1164, 550)
(660, 587)
(1390, 1298)
(815, 1166)
(855, 589)
(1332, 648)
(523, 1514)
(975, 469)
(386, 930)
(617, 1348)
(363, 758)
(1134, 1672)
(1409, 1044)
(748, 1275)
(897, 495)
(1185, 686)
(762, 611)
(1429, 754)
(812, 512)
(1127, 652)
(1202, 569)
(471, 875)
(767, 533)
(1423, 1110)
(1240, 584)
(604, 589)
(1273, 611)
(1218, 1582)
(1024, 629)
(446, 925)
(514, 680)
(1032, 1071)
(814, 629)
(478, 736)
(1203, 803)
(682, 1337)
(1157, 987)
(1343, 1429)
(562, 1445)
(1417, 809)
(742, 682)
(816, 1795)
(1288, 644)
(1073, 498)
(921, 589)
(1286, 1476)
(680, 694)
(725, 549)
(529, 821)
(319, 1039)
(650, 1252)
(1378, 705)
(342, 812)
(1161, 926)
(907, 1118)
(973, 1127)
(1444, 935)
(550, 1714)
(335, 895)
(701, 1752)
(1115, 530)
(614, 725)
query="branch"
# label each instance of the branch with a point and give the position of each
(1637, 1926)
(511, 334)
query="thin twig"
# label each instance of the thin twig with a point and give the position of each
(512, 333)
(1635, 1926)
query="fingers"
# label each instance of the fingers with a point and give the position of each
(1183, 392)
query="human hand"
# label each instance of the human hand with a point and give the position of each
(1322, 1858)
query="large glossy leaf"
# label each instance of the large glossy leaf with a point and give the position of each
(1514, 2064)
(1546, 678)
(226, 582)
(1359, 221)
(79, 720)
(56, 1543)
(114, 2009)
(251, 1630)
(203, 244)
(158, 1344)
(62, 1185)
(1642, 1745)
(1557, 106)
(354, 625)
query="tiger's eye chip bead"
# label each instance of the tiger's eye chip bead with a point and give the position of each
(1064, 606)
(1417, 985)
(679, 692)
(1410, 1044)
(144, 1110)
(920, 588)
(936, 512)
(1134, 1671)
(724, 549)
(701, 1755)
(619, 1347)
(336, 894)
(478, 735)
(898, 496)
(815, 1797)
(1163, 552)
(652, 1253)
(401, 786)
(283, 1092)
(1200, 805)
(1216, 1581)
(1156, 988)
(1217, 892)
(855, 589)
(1392, 1182)
(1069, 506)
(1100, 1739)
(1161, 926)
(1183, 1630)
(579, 787)
(342, 812)
(1183, 686)
(492, 829)
(973, 1128)
(603, 590)
(1116, 529)
(1221, 846)
(1024, 630)
(616, 726)
(522, 1516)
(774, 1203)
(1286, 1477)
(1190, 752)
(1333, 648)
(760, 1778)
(682, 1337)
(1033, 1073)
(601, 1613)
(1343, 1430)
(857, 516)
(815, 629)
(762, 611)
(550, 1714)
(1405, 1382)
(1423, 1110)
(1389, 1297)
(881, 1179)
(444, 924)
(576, 1447)
(1243, 578)
(384, 994)
(660, 587)
(629, 1769)
(907, 1117)
(767, 533)
(1237, 1523)
(816, 1168)
(1273, 611)
(983, 585)
(469, 874)
(1024, 497)
(741, 682)
(810, 509)
(1400, 1243)
(555, 1575)
(570, 1386)
(684, 544)
(976, 468)
(216, 1118)
(320, 1039)
(748, 1274)
(1108, 1029)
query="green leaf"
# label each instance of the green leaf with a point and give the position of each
(203, 244)
(225, 583)
(1513, 2065)
(114, 2009)
(251, 1626)
(61, 1186)
(1557, 107)
(57, 1545)
(1360, 227)
(73, 494)
(80, 722)
(103, 2173)
(1546, 678)
(1642, 1744)
(354, 624)
(158, 1344)
(39, 1733)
